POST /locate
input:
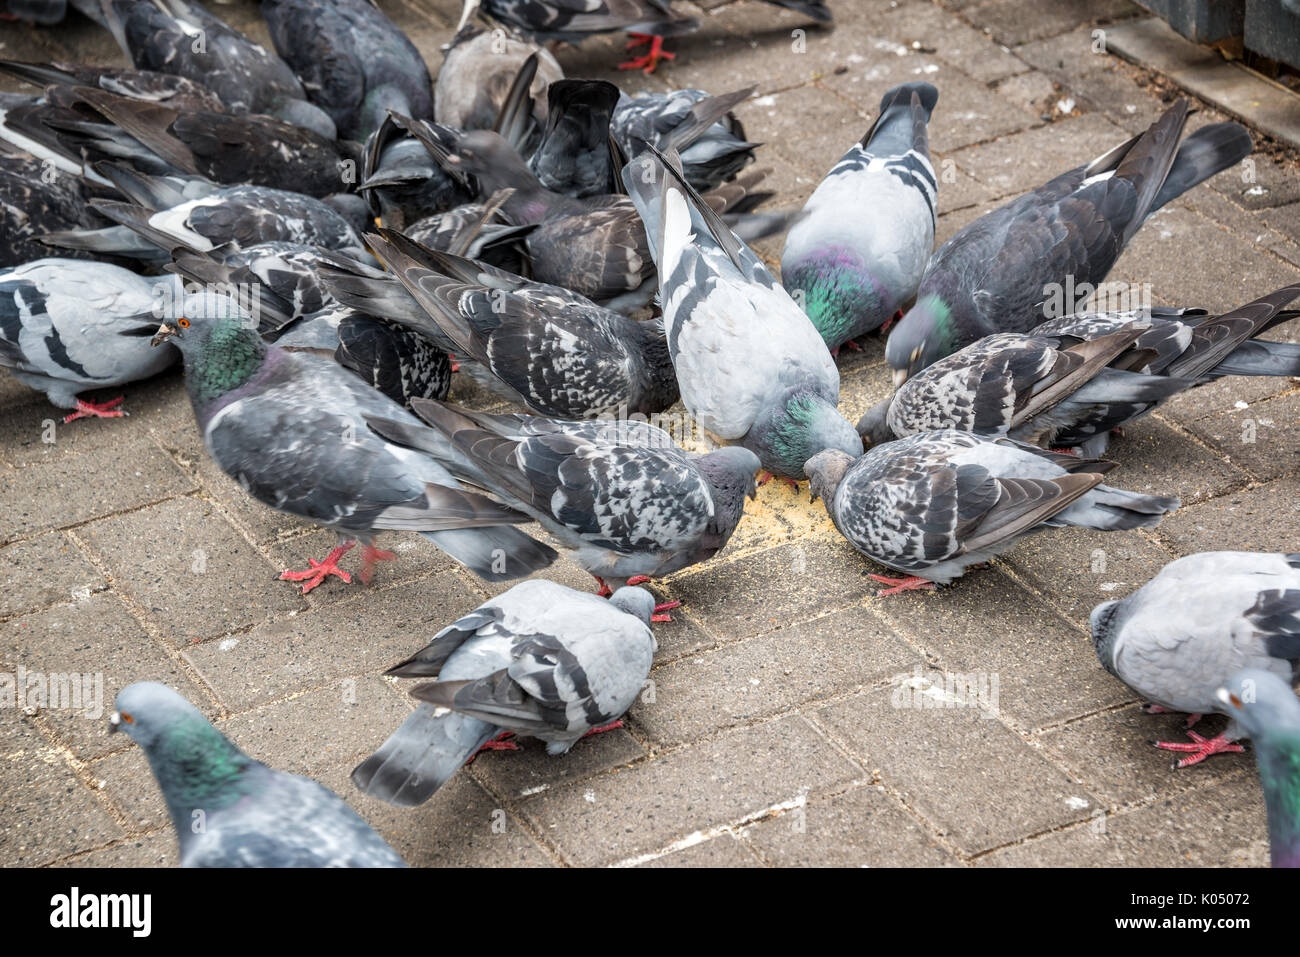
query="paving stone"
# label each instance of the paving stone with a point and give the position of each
(1007, 789)
(746, 681)
(1259, 519)
(1156, 460)
(1068, 56)
(985, 625)
(83, 653)
(723, 851)
(1264, 439)
(1285, 219)
(42, 571)
(155, 850)
(826, 125)
(184, 564)
(1019, 21)
(1213, 827)
(1215, 398)
(126, 780)
(863, 827)
(530, 770)
(645, 808)
(930, 28)
(1261, 184)
(1032, 91)
(1017, 164)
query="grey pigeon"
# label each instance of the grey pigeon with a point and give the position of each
(1267, 709)
(401, 180)
(478, 72)
(67, 326)
(354, 62)
(752, 368)
(175, 91)
(540, 660)
(933, 504)
(1071, 381)
(42, 12)
(1201, 619)
(1013, 268)
(575, 156)
(182, 38)
(541, 346)
(712, 154)
(230, 810)
(36, 199)
(619, 495)
(856, 255)
(290, 428)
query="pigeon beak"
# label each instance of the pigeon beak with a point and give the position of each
(900, 376)
(164, 333)
(114, 723)
(470, 8)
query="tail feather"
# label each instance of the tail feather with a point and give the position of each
(1113, 509)
(1255, 357)
(1148, 162)
(1114, 385)
(901, 124)
(1208, 151)
(495, 554)
(421, 756)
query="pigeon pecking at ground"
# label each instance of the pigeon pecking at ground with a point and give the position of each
(1268, 711)
(1070, 382)
(290, 428)
(936, 503)
(1200, 619)
(540, 660)
(618, 494)
(856, 255)
(67, 326)
(478, 72)
(230, 810)
(1015, 267)
(752, 368)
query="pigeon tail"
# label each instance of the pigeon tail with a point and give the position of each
(1112, 509)
(901, 126)
(497, 553)
(421, 756)
(1208, 151)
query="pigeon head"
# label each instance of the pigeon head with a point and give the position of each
(218, 340)
(825, 471)
(1262, 703)
(637, 602)
(873, 427)
(730, 472)
(922, 337)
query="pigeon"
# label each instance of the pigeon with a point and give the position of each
(857, 253)
(575, 155)
(714, 154)
(540, 660)
(181, 38)
(290, 428)
(44, 13)
(67, 326)
(1009, 270)
(1198, 621)
(619, 495)
(166, 89)
(35, 199)
(540, 346)
(1070, 382)
(935, 503)
(479, 231)
(354, 62)
(230, 810)
(1266, 708)
(401, 180)
(752, 368)
(477, 75)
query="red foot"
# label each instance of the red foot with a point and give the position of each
(660, 611)
(455, 366)
(613, 725)
(638, 579)
(96, 410)
(910, 583)
(1064, 451)
(765, 476)
(605, 590)
(651, 58)
(501, 742)
(369, 556)
(1199, 748)
(319, 571)
(890, 321)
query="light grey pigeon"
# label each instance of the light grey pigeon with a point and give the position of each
(933, 504)
(617, 493)
(711, 152)
(1267, 709)
(752, 368)
(1070, 382)
(230, 810)
(477, 73)
(290, 428)
(856, 255)
(1201, 619)
(67, 326)
(1019, 265)
(540, 660)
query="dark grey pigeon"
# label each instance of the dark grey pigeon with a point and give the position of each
(1071, 381)
(752, 368)
(856, 255)
(1201, 619)
(67, 326)
(178, 37)
(230, 810)
(541, 660)
(1266, 707)
(36, 199)
(618, 494)
(541, 346)
(1013, 268)
(401, 180)
(576, 156)
(44, 13)
(290, 428)
(354, 62)
(933, 504)
(175, 91)
(712, 154)
(477, 75)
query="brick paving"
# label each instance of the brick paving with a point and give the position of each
(772, 736)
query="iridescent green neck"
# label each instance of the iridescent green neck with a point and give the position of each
(197, 769)
(229, 356)
(835, 295)
(1279, 775)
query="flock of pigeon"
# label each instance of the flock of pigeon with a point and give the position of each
(582, 254)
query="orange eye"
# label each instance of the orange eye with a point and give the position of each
(183, 323)
(1236, 702)
(127, 718)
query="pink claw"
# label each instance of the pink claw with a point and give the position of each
(896, 585)
(319, 571)
(96, 410)
(1199, 748)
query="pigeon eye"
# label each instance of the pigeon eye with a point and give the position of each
(183, 323)
(127, 719)
(1236, 702)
